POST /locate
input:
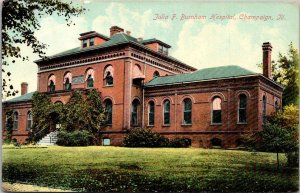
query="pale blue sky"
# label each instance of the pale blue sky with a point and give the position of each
(199, 43)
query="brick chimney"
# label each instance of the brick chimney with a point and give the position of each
(115, 29)
(267, 50)
(24, 88)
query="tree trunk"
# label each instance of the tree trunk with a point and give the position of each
(277, 160)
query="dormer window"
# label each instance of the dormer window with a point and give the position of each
(92, 41)
(84, 43)
(163, 50)
(160, 49)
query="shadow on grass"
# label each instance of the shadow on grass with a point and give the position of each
(132, 178)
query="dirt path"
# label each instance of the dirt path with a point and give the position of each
(17, 187)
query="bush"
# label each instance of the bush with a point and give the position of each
(140, 137)
(75, 138)
(180, 142)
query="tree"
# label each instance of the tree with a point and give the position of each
(9, 124)
(41, 114)
(280, 134)
(97, 115)
(286, 73)
(20, 19)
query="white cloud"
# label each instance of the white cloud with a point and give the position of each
(136, 22)
(58, 36)
(214, 44)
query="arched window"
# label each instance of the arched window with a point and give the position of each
(242, 108)
(15, 120)
(108, 76)
(68, 81)
(134, 112)
(187, 111)
(90, 78)
(108, 109)
(217, 110)
(29, 120)
(155, 74)
(166, 112)
(277, 107)
(51, 83)
(264, 111)
(151, 110)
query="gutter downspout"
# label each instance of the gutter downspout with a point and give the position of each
(143, 95)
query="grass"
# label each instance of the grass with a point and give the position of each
(121, 169)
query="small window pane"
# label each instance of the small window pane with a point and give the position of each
(106, 141)
(92, 41)
(167, 112)
(84, 44)
(16, 121)
(242, 108)
(108, 108)
(187, 114)
(151, 113)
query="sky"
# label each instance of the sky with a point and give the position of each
(224, 33)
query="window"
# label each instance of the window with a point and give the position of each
(90, 78)
(51, 83)
(84, 43)
(264, 113)
(8, 120)
(108, 75)
(242, 111)
(187, 111)
(217, 112)
(134, 113)
(216, 142)
(277, 107)
(29, 120)
(160, 49)
(151, 113)
(92, 41)
(155, 74)
(165, 51)
(167, 112)
(108, 109)
(67, 81)
(106, 141)
(15, 121)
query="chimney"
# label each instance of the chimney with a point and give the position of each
(140, 39)
(128, 32)
(267, 49)
(24, 88)
(115, 29)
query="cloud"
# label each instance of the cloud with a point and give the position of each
(217, 44)
(58, 36)
(137, 22)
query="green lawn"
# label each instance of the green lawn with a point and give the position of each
(141, 169)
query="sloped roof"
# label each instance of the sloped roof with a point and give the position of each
(25, 97)
(154, 40)
(116, 39)
(200, 75)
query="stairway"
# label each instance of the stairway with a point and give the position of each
(49, 139)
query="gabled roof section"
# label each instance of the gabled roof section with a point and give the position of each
(22, 98)
(201, 75)
(154, 40)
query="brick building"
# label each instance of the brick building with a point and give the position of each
(143, 86)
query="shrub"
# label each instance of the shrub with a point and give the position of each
(75, 138)
(140, 137)
(180, 142)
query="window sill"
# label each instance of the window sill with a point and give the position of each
(241, 123)
(216, 124)
(166, 125)
(108, 125)
(186, 125)
(150, 125)
(108, 86)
